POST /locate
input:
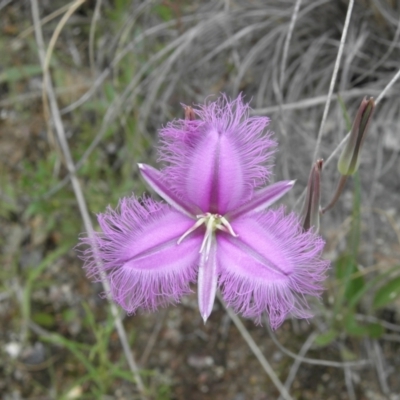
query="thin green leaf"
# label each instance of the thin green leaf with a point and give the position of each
(387, 293)
(375, 330)
(346, 115)
(44, 319)
(34, 273)
(326, 338)
(354, 239)
(74, 348)
(352, 327)
(346, 267)
(15, 74)
(369, 286)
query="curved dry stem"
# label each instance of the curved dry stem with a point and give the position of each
(95, 18)
(55, 114)
(259, 48)
(382, 94)
(315, 101)
(76, 4)
(296, 365)
(334, 77)
(337, 194)
(256, 351)
(388, 87)
(384, 58)
(314, 361)
(44, 20)
(118, 58)
(295, 14)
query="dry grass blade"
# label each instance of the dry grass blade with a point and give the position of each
(256, 351)
(55, 113)
(349, 383)
(295, 14)
(128, 48)
(315, 101)
(278, 89)
(95, 18)
(388, 87)
(380, 367)
(296, 365)
(382, 94)
(259, 48)
(333, 154)
(334, 77)
(45, 20)
(73, 7)
(313, 361)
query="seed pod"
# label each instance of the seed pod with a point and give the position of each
(311, 209)
(189, 113)
(350, 158)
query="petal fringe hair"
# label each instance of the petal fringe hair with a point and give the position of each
(253, 144)
(278, 299)
(104, 254)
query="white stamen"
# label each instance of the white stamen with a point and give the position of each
(228, 226)
(213, 222)
(193, 228)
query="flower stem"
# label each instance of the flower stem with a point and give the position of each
(337, 194)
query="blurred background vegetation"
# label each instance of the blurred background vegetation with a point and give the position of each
(121, 69)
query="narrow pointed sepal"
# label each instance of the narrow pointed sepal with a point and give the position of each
(262, 199)
(155, 180)
(208, 279)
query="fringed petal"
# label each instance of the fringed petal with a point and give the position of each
(138, 253)
(218, 160)
(270, 266)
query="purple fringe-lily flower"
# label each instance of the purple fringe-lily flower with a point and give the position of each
(214, 226)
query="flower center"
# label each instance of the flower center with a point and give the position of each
(212, 222)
